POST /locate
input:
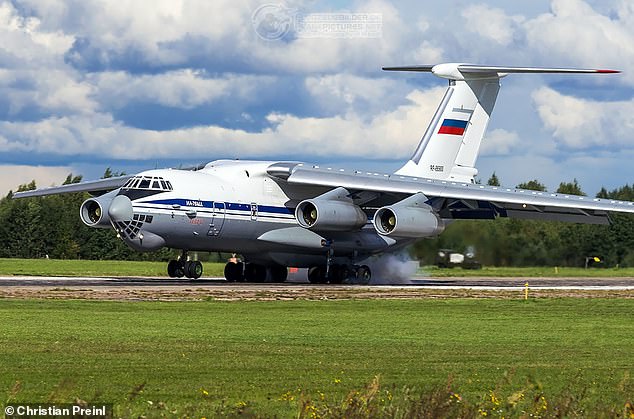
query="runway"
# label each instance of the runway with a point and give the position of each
(491, 283)
(136, 288)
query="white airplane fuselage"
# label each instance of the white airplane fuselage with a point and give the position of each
(231, 205)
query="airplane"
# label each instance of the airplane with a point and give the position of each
(278, 214)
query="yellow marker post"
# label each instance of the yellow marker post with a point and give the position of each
(526, 291)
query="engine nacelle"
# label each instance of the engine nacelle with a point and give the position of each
(94, 211)
(409, 218)
(332, 211)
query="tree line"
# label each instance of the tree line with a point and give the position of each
(512, 242)
(51, 227)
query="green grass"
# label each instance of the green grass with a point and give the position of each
(107, 268)
(208, 358)
(547, 271)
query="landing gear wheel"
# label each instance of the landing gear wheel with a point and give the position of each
(233, 272)
(338, 274)
(193, 269)
(255, 273)
(317, 275)
(363, 274)
(278, 273)
(175, 269)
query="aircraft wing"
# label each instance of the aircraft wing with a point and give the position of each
(94, 187)
(457, 200)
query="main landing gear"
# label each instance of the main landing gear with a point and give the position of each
(253, 272)
(192, 269)
(337, 274)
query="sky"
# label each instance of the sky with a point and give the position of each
(135, 85)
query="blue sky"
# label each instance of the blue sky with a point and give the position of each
(133, 85)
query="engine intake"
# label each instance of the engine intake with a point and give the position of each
(409, 218)
(94, 211)
(332, 211)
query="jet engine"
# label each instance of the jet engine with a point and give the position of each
(94, 211)
(332, 211)
(410, 218)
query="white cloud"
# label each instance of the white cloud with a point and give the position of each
(427, 52)
(499, 142)
(392, 134)
(573, 32)
(347, 92)
(491, 23)
(68, 66)
(11, 176)
(184, 89)
(24, 43)
(583, 123)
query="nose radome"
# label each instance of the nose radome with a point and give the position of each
(120, 208)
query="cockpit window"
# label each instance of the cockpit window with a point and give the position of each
(148, 183)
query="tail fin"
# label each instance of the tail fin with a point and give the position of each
(449, 149)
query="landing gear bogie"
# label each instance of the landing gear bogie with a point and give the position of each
(253, 272)
(192, 269)
(339, 274)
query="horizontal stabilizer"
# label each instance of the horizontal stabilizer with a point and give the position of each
(457, 71)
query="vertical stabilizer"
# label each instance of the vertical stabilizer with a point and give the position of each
(450, 146)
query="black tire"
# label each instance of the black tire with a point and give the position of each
(317, 275)
(233, 272)
(171, 268)
(255, 273)
(364, 274)
(175, 269)
(194, 269)
(338, 274)
(278, 273)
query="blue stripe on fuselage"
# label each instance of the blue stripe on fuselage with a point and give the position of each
(235, 206)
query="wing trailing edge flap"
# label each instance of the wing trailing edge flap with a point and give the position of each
(558, 216)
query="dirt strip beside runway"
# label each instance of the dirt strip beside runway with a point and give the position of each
(148, 289)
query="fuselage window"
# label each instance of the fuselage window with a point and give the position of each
(155, 185)
(169, 185)
(145, 184)
(163, 185)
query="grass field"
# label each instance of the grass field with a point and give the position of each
(294, 358)
(52, 267)
(117, 268)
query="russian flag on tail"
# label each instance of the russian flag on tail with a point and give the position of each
(453, 127)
